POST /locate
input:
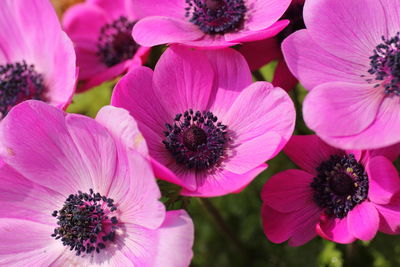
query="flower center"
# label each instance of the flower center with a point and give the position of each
(196, 139)
(295, 14)
(216, 16)
(341, 184)
(85, 222)
(115, 43)
(19, 82)
(385, 65)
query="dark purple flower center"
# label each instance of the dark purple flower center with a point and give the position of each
(341, 184)
(295, 14)
(19, 82)
(196, 139)
(216, 16)
(86, 222)
(385, 65)
(115, 43)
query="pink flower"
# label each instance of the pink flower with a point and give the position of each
(37, 59)
(352, 70)
(71, 194)
(101, 31)
(207, 23)
(208, 128)
(340, 195)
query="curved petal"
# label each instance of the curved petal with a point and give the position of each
(156, 30)
(345, 32)
(313, 65)
(88, 61)
(177, 233)
(247, 35)
(389, 221)
(392, 17)
(263, 13)
(209, 42)
(336, 230)
(363, 221)
(339, 109)
(115, 8)
(383, 179)
(168, 8)
(289, 191)
(258, 110)
(309, 151)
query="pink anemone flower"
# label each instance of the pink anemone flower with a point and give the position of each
(340, 195)
(349, 59)
(208, 128)
(101, 31)
(71, 194)
(37, 59)
(207, 23)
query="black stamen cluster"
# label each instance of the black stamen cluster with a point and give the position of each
(115, 43)
(341, 184)
(216, 16)
(84, 222)
(385, 64)
(196, 139)
(19, 82)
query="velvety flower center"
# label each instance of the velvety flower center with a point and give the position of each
(341, 184)
(19, 82)
(216, 16)
(86, 222)
(196, 139)
(295, 14)
(385, 65)
(115, 43)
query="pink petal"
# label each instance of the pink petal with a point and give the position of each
(344, 32)
(88, 61)
(263, 13)
(168, 8)
(283, 78)
(221, 182)
(390, 216)
(115, 8)
(392, 17)
(256, 52)
(335, 230)
(363, 221)
(339, 109)
(153, 31)
(313, 65)
(309, 151)
(389, 152)
(383, 179)
(256, 35)
(258, 110)
(177, 233)
(209, 42)
(289, 191)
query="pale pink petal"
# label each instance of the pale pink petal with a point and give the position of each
(313, 65)
(256, 35)
(289, 191)
(384, 180)
(258, 109)
(263, 13)
(339, 109)
(309, 151)
(392, 17)
(176, 236)
(390, 216)
(153, 31)
(336, 230)
(363, 221)
(168, 8)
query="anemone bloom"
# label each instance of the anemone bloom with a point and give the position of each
(207, 127)
(36, 61)
(71, 194)
(207, 23)
(352, 69)
(101, 31)
(340, 195)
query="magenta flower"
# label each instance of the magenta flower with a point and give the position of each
(101, 31)
(36, 61)
(207, 23)
(352, 70)
(71, 194)
(208, 128)
(340, 195)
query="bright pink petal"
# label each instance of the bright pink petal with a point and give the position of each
(168, 8)
(289, 191)
(209, 42)
(260, 53)
(88, 61)
(363, 221)
(115, 8)
(313, 65)
(336, 230)
(389, 152)
(220, 183)
(390, 216)
(177, 233)
(383, 179)
(339, 109)
(309, 151)
(283, 78)
(263, 13)
(258, 109)
(344, 32)
(153, 31)
(256, 35)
